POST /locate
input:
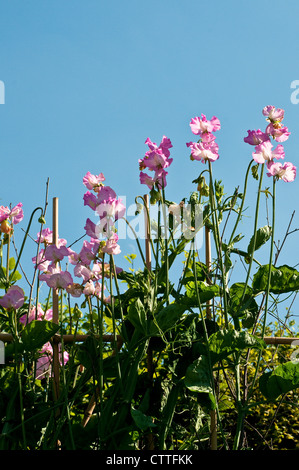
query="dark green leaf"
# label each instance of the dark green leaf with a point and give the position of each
(263, 234)
(197, 377)
(167, 318)
(283, 279)
(37, 333)
(137, 316)
(283, 379)
(141, 420)
(223, 343)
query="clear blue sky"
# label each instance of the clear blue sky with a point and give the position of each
(86, 82)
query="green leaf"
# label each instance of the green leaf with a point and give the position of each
(206, 292)
(242, 307)
(37, 333)
(283, 279)
(141, 420)
(197, 378)
(166, 318)
(283, 379)
(223, 343)
(263, 234)
(137, 316)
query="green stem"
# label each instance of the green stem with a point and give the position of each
(218, 242)
(254, 234)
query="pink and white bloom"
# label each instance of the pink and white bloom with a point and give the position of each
(278, 132)
(37, 314)
(111, 247)
(200, 125)
(264, 153)
(273, 114)
(13, 299)
(59, 280)
(256, 137)
(56, 253)
(16, 214)
(203, 151)
(93, 182)
(286, 172)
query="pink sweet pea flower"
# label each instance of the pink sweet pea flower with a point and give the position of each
(164, 146)
(15, 214)
(286, 172)
(256, 137)
(111, 247)
(37, 314)
(44, 362)
(45, 236)
(199, 126)
(56, 253)
(90, 200)
(264, 153)
(40, 261)
(59, 280)
(13, 299)
(203, 151)
(278, 132)
(273, 114)
(89, 288)
(93, 182)
(90, 228)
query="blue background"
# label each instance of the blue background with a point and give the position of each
(87, 82)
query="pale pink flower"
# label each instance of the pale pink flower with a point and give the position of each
(201, 125)
(111, 247)
(55, 253)
(4, 213)
(278, 132)
(59, 280)
(164, 146)
(93, 182)
(273, 114)
(13, 299)
(44, 362)
(89, 288)
(256, 137)
(203, 151)
(45, 236)
(37, 314)
(90, 228)
(15, 214)
(286, 172)
(40, 261)
(264, 153)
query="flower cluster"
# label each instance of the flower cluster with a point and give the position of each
(264, 151)
(10, 217)
(205, 149)
(156, 159)
(88, 261)
(45, 358)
